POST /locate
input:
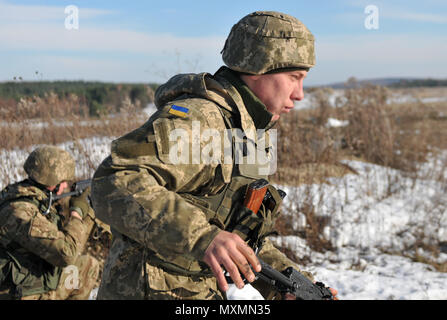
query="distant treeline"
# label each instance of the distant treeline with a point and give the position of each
(98, 96)
(411, 83)
(353, 82)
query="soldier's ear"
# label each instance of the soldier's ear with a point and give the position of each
(249, 79)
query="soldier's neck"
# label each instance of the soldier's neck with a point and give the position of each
(257, 110)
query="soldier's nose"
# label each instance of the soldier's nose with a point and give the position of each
(298, 93)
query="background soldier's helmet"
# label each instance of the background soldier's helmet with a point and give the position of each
(50, 166)
(266, 40)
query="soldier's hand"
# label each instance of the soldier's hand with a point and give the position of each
(334, 293)
(229, 251)
(76, 215)
(80, 203)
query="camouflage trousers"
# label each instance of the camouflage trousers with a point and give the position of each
(184, 294)
(123, 282)
(76, 282)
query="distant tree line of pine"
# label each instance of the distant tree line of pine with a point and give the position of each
(98, 96)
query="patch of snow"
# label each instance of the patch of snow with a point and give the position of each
(379, 210)
(335, 123)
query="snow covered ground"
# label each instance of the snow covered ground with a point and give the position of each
(379, 277)
(367, 218)
(379, 210)
(11, 161)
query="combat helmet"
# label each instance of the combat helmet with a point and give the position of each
(50, 166)
(264, 41)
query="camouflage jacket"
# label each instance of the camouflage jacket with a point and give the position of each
(140, 192)
(37, 246)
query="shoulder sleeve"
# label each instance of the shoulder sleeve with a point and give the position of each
(137, 189)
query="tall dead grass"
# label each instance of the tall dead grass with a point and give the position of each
(400, 136)
(309, 151)
(52, 120)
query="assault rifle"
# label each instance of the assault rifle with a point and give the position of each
(76, 190)
(293, 282)
(290, 280)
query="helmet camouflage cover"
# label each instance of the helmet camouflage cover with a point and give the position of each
(267, 40)
(50, 166)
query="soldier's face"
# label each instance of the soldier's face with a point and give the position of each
(278, 91)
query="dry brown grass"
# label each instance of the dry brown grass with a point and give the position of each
(424, 92)
(51, 120)
(394, 135)
(400, 136)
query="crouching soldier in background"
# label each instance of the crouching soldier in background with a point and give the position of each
(40, 247)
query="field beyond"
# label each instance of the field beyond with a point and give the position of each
(364, 170)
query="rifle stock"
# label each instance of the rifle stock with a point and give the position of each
(255, 195)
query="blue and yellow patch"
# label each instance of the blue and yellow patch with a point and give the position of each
(178, 111)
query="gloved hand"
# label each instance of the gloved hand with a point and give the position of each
(80, 204)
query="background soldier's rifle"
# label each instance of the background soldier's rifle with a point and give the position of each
(76, 190)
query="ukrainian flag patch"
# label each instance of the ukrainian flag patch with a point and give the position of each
(178, 111)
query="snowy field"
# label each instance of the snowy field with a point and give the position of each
(367, 219)
(375, 219)
(365, 222)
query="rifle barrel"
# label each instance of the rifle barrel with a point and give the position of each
(79, 187)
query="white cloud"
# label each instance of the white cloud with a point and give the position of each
(43, 28)
(56, 37)
(382, 48)
(414, 16)
(83, 48)
(377, 55)
(29, 13)
(113, 54)
(35, 38)
(81, 68)
(425, 13)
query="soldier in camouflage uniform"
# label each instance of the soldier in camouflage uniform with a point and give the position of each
(40, 248)
(171, 219)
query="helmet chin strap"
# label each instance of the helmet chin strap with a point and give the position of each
(50, 203)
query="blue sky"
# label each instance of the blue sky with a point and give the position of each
(147, 41)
